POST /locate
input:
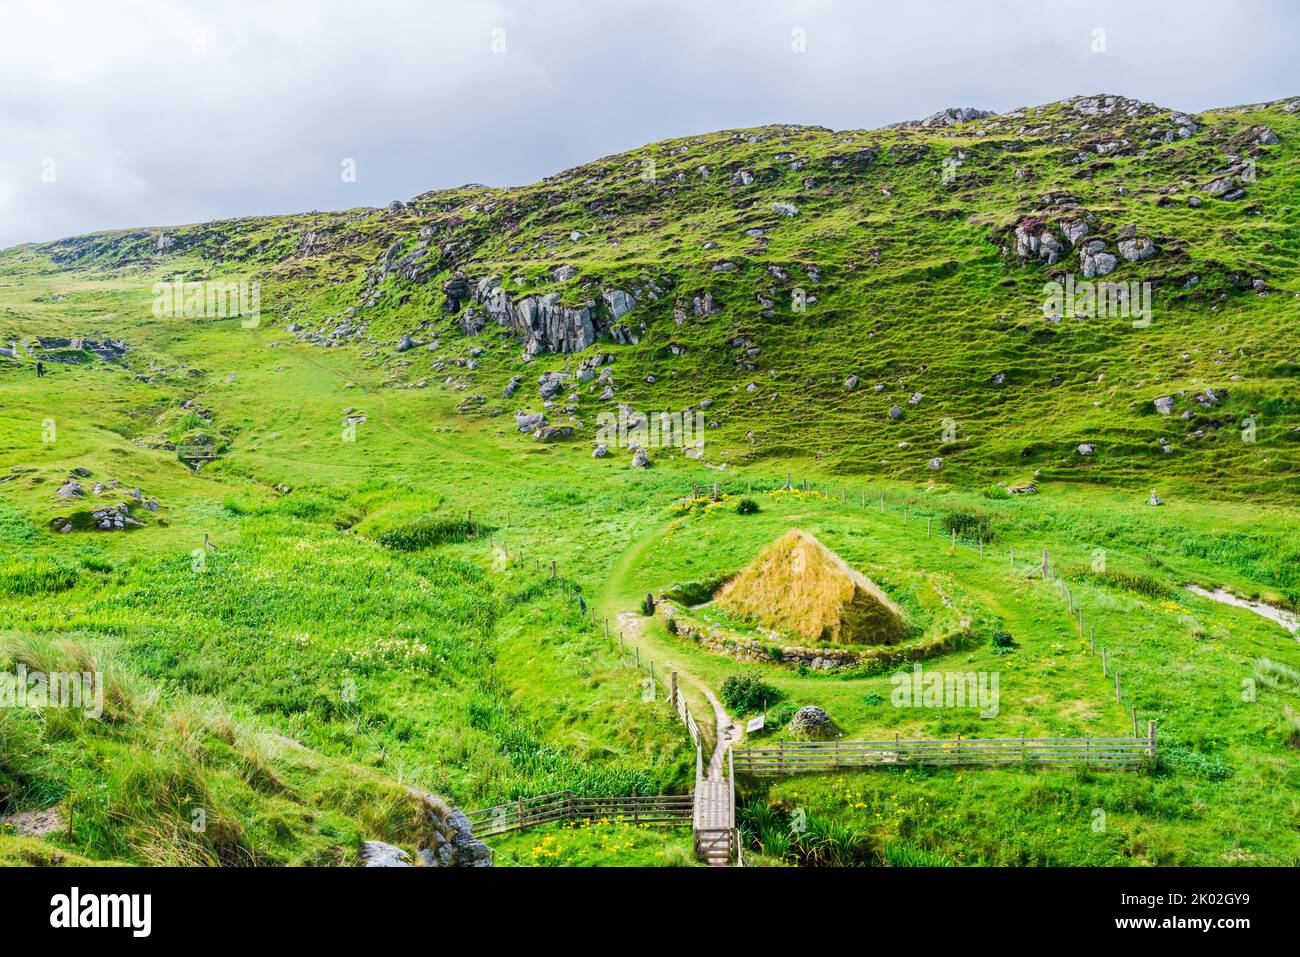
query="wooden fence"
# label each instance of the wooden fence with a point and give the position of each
(684, 712)
(788, 757)
(660, 810)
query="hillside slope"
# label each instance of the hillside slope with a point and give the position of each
(872, 299)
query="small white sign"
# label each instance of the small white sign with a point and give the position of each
(755, 724)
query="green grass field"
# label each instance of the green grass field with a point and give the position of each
(374, 606)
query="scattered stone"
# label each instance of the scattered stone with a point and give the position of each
(600, 451)
(640, 459)
(530, 422)
(1085, 448)
(1164, 404)
(851, 383)
(71, 489)
(935, 464)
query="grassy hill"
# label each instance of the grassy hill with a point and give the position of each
(364, 570)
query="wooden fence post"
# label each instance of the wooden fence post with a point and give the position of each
(672, 690)
(1105, 670)
(981, 548)
(928, 520)
(552, 567)
(1092, 638)
(954, 538)
(1135, 721)
(1013, 556)
(1117, 698)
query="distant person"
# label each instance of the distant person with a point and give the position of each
(40, 369)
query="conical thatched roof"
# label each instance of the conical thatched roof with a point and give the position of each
(800, 586)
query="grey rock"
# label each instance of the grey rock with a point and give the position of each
(1164, 404)
(1085, 448)
(530, 422)
(1137, 248)
(552, 433)
(71, 489)
(379, 854)
(1094, 260)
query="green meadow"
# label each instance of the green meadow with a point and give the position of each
(357, 595)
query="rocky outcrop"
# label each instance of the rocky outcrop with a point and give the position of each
(1094, 260)
(542, 323)
(450, 841)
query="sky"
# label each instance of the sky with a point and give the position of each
(150, 113)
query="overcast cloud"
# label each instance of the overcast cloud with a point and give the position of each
(149, 113)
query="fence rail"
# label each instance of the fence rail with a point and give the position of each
(794, 756)
(660, 810)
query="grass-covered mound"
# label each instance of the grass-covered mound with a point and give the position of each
(798, 585)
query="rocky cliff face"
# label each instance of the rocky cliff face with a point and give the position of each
(542, 323)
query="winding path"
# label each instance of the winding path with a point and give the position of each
(715, 812)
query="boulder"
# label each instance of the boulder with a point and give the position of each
(552, 433)
(71, 489)
(1137, 248)
(379, 854)
(530, 421)
(1094, 260)
(1164, 404)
